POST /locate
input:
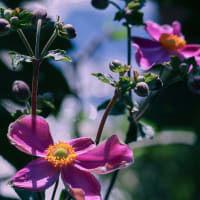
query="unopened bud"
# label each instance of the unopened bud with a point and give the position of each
(70, 30)
(21, 90)
(14, 19)
(115, 64)
(4, 27)
(142, 89)
(140, 79)
(194, 84)
(40, 14)
(7, 13)
(100, 4)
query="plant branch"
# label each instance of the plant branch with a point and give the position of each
(54, 190)
(105, 115)
(25, 41)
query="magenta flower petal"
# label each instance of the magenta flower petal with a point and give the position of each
(108, 156)
(81, 184)
(82, 145)
(155, 30)
(36, 176)
(177, 29)
(149, 52)
(29, 140)
(190, 50)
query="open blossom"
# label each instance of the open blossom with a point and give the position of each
(74, 159)
(166, 41)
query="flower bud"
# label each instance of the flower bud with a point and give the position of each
(100, 4)
(21, 90)
(14, 19)
(115, 64)
(142, 89)
(40, 14)
(4, 27)
(70, 30)
(194, 84)
(140, 79)
(7, 13)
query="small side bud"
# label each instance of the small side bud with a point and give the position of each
(70, 30)
(115, 64)
(4, 27)
(21, 90)
(142, 89)
(7, 13)
(100, 4)
(40, 14)
(194, 84)
(140, 79)
(14, 19)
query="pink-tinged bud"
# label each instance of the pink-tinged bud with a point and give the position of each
(70, 30)
(40, 14)
(142, 89)
(21, 90)
(194, 84)
(14, 19)
(4, 27)
(7, 13)
(115, 64)
(100, 4)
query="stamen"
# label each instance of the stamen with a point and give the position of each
(60, 154)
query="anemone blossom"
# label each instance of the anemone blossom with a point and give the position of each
(166, 41)
(74, 159)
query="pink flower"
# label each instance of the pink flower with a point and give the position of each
(166, 41)
(74, 159)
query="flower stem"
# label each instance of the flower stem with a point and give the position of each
(54, 190)
(37, 43)
(112, 182)
(25, 41)
(115, 5)
(49, 43)
(105, 115)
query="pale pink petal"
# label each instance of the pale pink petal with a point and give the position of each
(107, 157)
(82, 145)
(155, 30)
(149, 53)
(37, 176)
(177, 29)
(28, 138)
(190, 50)
(81, 184)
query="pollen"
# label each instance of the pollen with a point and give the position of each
(60, 154)
(172, 41)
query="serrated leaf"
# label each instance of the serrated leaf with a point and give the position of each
(105, 78)
(58, 55)
(19, 58)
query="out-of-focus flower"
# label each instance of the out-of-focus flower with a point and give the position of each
(100, 4)
(74, 159)
(4, 27)
(166, 41)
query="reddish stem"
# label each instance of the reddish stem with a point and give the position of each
(105, 115)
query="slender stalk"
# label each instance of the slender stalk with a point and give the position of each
(54, 190)
(36, 65)
(115, 5)
(49, 43)
(112, 182)
(39, 195)
(25, 41)
(105, 115)
(37, 42)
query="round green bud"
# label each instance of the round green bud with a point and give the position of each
(21, 90)
(142, 89)
(100, 4)
(4, 27)
(115, 64)
(194, 84)
(7, 13)
(70, 31)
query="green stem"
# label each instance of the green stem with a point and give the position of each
(115, 5)
(49, 43)
(39, 195)
(37, 42)
(54, 190)
(105, 115)
(25, 41)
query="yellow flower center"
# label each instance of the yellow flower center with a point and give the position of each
(172, 41)
(60, 154)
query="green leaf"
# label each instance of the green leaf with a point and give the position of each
(146, 131)
(64, 195)
(118, 34)
(18, 58)
(58, 55)
(124, 83)
(119, 15)
(120, 69)
(175, 62)
(131, 135)
(105, 78)
(26, 194)
(153, 80)
(135, 19)
(2, 12)
(136, 4)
